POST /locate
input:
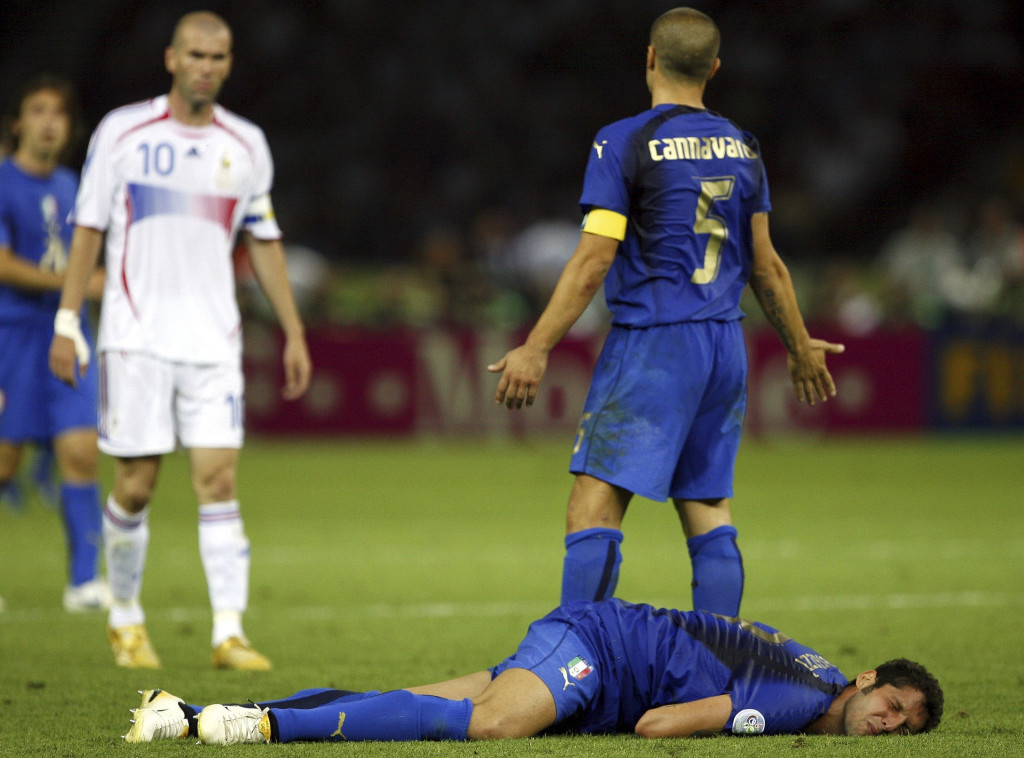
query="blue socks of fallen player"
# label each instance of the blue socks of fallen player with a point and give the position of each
(717, 571)
(397, 716)
(591, 567)
(303, 699)
(83, 525)
(314, 698)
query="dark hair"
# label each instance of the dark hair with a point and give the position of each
(686, 43)
(39, 83)
(901, 672)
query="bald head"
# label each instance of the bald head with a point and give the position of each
(685, 42)
(205, 22)
(199, 61)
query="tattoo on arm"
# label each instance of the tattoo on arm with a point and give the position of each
(774, 312)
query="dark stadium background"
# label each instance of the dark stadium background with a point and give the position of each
(386, 118)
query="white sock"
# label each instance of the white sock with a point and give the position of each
(226, 624)
(224, 550)
(125, 543)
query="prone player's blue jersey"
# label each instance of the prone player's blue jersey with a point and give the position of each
(688, 182)
(650, 657)
(33, 213)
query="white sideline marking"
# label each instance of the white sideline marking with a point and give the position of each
(534, 609)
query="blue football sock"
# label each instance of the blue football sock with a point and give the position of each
(717, 571)
(303, 699)
(83, 525)
(397, 716)
(314, 698)
(311, 698)
(591, 567)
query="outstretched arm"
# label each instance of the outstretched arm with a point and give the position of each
(523, 368)
(707, 716)
(773, 287)
(268, 264)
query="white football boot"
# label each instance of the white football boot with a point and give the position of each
(233, 724)
(159, 717)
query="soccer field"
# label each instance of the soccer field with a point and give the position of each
(383, 564)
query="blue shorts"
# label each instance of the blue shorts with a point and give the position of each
(564, 662)
(36, 406)
(665, 410)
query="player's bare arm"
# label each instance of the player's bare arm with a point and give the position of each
(707, 716)
(17, 272)
(79, 280)
(268, 264)
(773, 288)
(523, 368)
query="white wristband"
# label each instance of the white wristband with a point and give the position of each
(66, 324)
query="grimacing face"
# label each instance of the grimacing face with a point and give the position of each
(43, 126)
(199, 62)
(874, 710)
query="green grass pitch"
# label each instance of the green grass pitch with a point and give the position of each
(382, 564)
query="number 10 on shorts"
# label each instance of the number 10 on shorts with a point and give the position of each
(237, 406)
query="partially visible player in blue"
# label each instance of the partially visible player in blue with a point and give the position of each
(36, 194)
(593, 668)
(676, 225)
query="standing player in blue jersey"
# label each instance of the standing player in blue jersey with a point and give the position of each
(677, 224)
(36, 195)
(592, 668)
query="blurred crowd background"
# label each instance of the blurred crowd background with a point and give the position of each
(429, 154)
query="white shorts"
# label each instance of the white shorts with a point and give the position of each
(148, 403)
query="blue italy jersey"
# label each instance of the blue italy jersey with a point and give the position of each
(33, 213)
(649, 657)
(688, 182)
(34, 404)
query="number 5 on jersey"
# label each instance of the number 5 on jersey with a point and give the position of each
(711, 191)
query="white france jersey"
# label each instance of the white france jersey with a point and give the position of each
(171, 198)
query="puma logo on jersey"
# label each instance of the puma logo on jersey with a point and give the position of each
(565, 675)
(600, 148)
(337, 732)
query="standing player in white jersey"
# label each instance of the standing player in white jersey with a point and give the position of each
(168, 183)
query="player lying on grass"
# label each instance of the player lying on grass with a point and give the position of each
(597, 668)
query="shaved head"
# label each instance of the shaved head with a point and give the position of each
(207, 22)
(685, 42)
(199, 61)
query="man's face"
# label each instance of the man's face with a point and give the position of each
(199, 62)
(43, 125)
(876, 710)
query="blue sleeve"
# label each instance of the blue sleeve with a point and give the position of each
(787, 707)
(606, 181)
(762, 200)
(787, 702)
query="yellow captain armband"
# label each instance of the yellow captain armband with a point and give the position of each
(605, 223)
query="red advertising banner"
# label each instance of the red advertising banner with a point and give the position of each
(396, 382)
(362, 383)
(401, 383)
(882, 382)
